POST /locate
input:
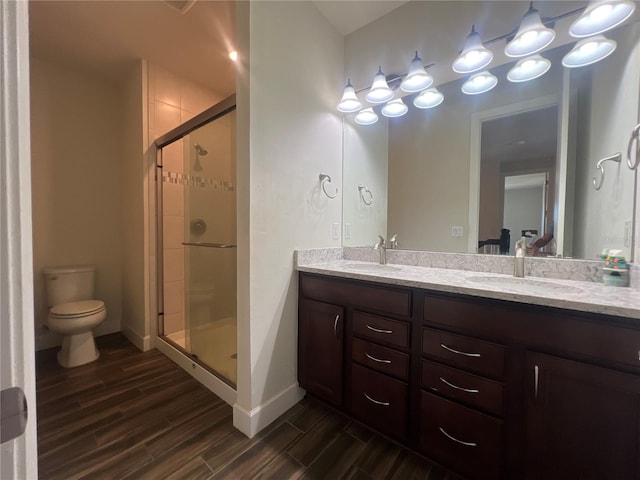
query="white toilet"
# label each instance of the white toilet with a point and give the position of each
(73, 312)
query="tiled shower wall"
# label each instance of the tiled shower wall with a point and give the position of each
(172, 101)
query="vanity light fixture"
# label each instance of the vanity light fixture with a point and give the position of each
(349, 102)
(479, 83)
(366, 117)
(532, 35)
(600, 16)
(428, 98)
(474, 56)
(380, 91)
(417, 79)
(529, 68)
(589, 50)
(395, 108)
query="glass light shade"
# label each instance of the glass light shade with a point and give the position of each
(417, 79)
(380, 91)
(474, 55)
(600, 16)
(479, 83)
(349, 102)
(532, 36)
(529, 68)
(395, 108)
(366, 117)
(428, 98)
(588, 51)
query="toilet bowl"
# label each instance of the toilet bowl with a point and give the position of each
(76, 321)
(73, 313)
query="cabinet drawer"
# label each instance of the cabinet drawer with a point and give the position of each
(475, 391)
(381, 330)
(460, 438)
(382, 359)
(381, 299)
(464, 352)
(379, 401)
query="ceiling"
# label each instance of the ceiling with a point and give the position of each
(523, 136)
(107, 37)
(349, 16)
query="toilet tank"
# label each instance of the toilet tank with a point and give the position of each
(69, 284)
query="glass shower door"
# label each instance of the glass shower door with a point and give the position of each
(199, 246)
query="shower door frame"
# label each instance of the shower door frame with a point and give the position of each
(219, 110)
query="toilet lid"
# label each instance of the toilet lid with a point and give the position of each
(84, 307)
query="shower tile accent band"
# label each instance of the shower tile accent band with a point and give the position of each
(197, 181)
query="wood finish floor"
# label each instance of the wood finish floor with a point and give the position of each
(133, 415)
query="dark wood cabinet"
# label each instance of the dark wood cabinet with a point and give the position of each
(490, 389)
(582, 421)
(320, 349)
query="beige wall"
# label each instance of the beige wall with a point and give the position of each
(296, 74)
(77, 147)
(608, 116)
(133, 181)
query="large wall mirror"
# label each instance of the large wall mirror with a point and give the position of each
(520, 157)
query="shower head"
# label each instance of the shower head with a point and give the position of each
(200, 150)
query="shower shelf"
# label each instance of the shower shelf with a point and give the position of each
(210, 245)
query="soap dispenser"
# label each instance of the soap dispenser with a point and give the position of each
(518, 262)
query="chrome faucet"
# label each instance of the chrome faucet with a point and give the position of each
(393, 242)
(382, 248)
(518, 261)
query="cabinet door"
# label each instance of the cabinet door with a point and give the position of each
(582, 421)
(320, 349)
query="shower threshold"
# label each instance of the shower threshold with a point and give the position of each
(198, 370)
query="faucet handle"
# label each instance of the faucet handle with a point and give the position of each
(393, 242)
(380, 242)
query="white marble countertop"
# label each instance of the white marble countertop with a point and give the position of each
(569, 294)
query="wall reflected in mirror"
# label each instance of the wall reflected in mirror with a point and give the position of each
(440, 189)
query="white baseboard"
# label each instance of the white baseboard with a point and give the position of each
(142, 343)
(202, 375)
(250, 423)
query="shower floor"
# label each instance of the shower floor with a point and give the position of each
(214, 344)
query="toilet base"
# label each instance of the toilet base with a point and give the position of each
(77, 350)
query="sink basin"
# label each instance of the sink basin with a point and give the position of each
(525, 285)
(372, 267)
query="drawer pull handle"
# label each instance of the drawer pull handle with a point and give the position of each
(536, 374)
(335, 325)
(377, 402)
(377, 330)
(468, 444)
(458, 352)
(468, 390)
(377, 359)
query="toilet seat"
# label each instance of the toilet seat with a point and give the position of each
(77, 309)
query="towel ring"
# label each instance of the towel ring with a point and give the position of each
(635, 137)
(363, 191)
(597, 182)
(324, 179)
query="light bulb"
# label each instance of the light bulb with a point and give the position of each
(600, 16)
(428, 99)
(479, 83)
(589, 50)
(366, 117)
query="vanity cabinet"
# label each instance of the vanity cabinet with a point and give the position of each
(582, 421)
(491, 389)
(320, 349)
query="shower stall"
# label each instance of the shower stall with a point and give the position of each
(196, 206)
